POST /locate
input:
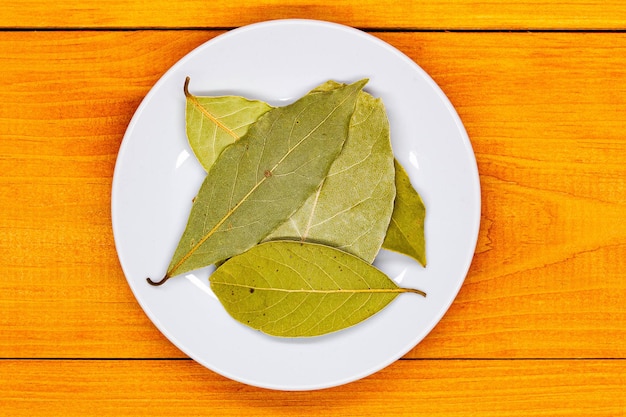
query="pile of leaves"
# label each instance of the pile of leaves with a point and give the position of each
(296, 204)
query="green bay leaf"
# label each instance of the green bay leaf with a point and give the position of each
(352, 208)
(295, 289)
(213, 123)
(260, 180)
(406, 229)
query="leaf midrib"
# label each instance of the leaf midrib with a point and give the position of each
(331, 291)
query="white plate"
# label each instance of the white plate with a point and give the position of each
(157, 176)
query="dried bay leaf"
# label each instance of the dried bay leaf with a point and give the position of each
(260, 180)
(295, 289)
(213, 123)
(406, 229)
(352, 208)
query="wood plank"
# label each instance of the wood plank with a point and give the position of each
(500, 388)
(436, 14)
(545, 113)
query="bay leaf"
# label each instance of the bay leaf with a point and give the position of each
(406, 229)
(295, 289)
(260, 180)
(213, 123)
(352, 208)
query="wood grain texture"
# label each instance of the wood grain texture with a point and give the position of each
(66, 101)
(546, 117)
(434, 14)
(545, 113)
(407, 388)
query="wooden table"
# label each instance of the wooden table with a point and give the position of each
(539, 327)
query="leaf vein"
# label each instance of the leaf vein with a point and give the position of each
(212, 117)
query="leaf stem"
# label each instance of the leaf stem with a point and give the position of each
(157, 283)
(413, 290)
(186, 87)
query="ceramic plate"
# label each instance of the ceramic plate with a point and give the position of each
(157, 176)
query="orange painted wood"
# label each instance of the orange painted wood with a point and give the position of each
(499, 388)
(66, 101)
(545, 113)
(434, 14)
